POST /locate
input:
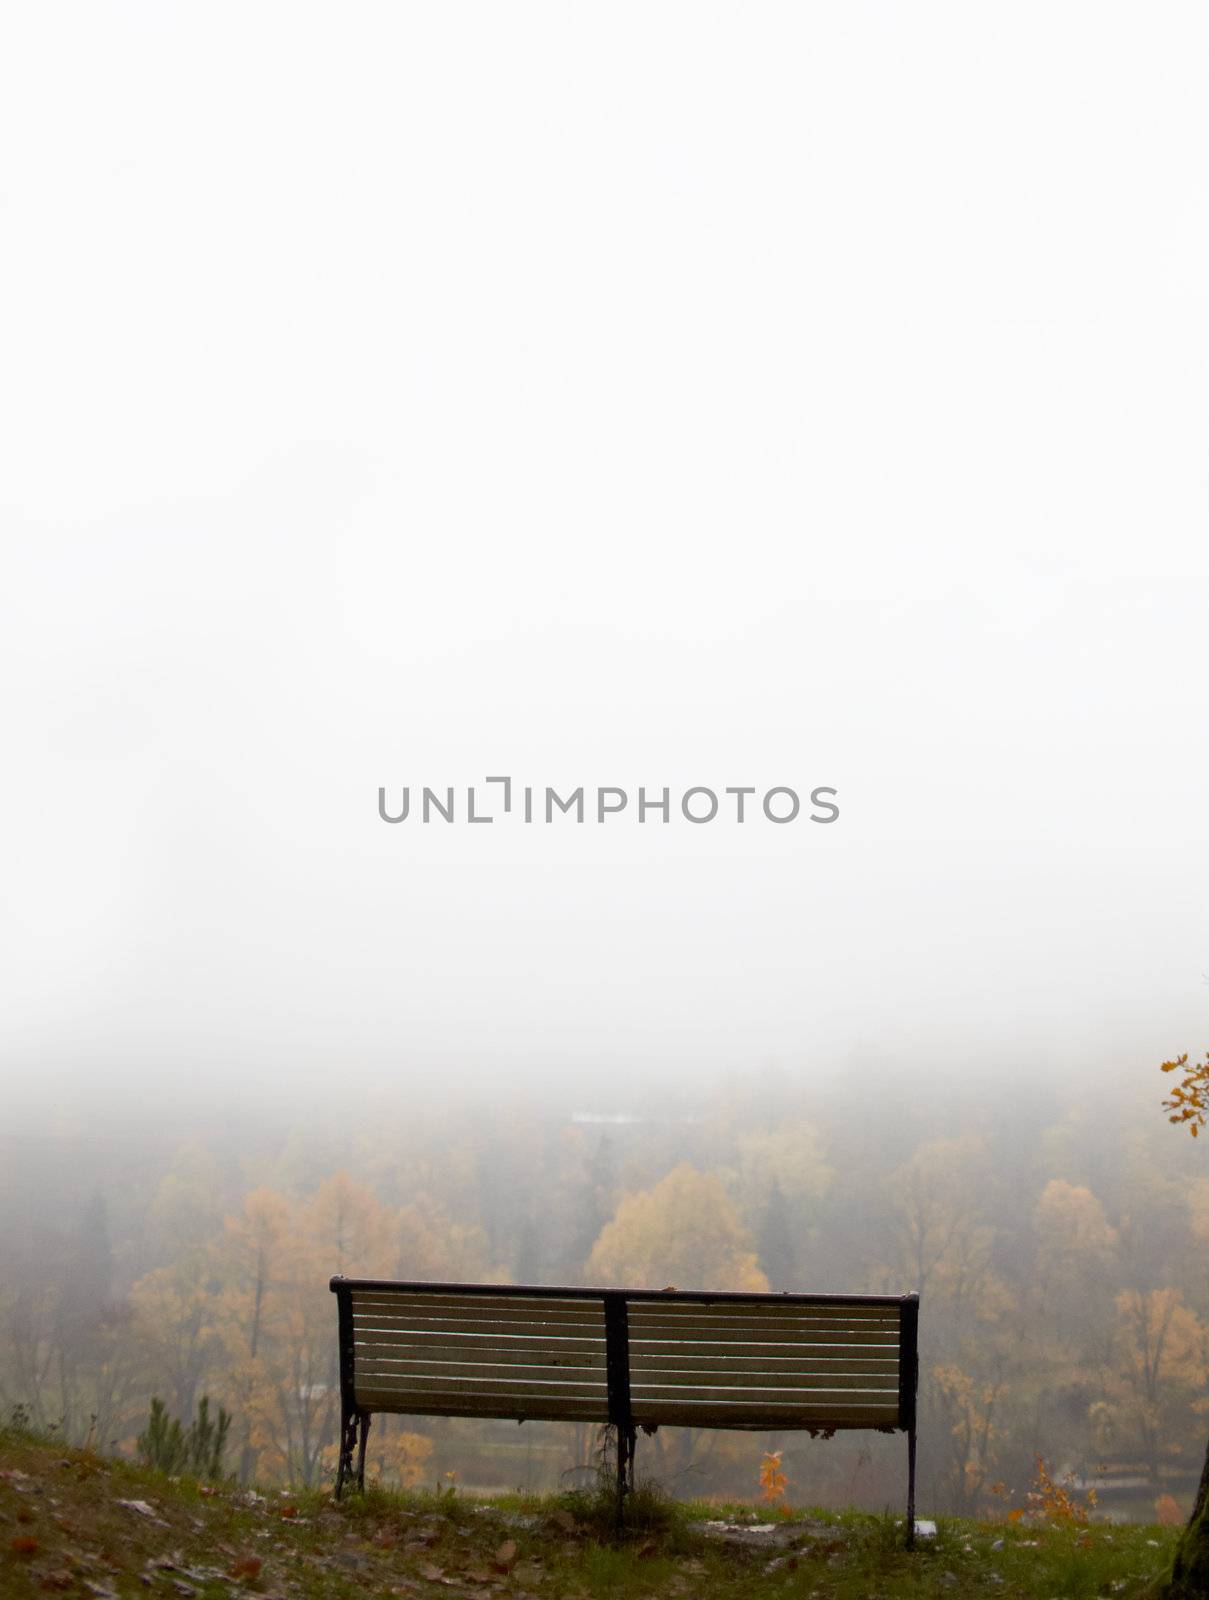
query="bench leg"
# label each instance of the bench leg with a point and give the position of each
(627, 1439)
(911, 1489)
(361, 1451)
(348, 1438)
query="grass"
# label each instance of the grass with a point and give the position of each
(64, 1529)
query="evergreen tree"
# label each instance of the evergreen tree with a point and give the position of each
(196, 1450)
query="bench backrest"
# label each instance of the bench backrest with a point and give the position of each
(632, 1357)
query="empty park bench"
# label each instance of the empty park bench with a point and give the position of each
(632, 1358)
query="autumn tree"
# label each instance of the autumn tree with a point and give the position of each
(1160, 1368)
(966, 1414)
(1073, 1270)
(430, 1243)
(684, 1233)
(343, 1228)
(251, 1265)
(781, 1179)
(935, 1196)
(1187, 1105)
(174, 1309)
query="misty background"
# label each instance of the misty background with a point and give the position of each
(629, 396)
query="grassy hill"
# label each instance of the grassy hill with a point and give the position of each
(74, 1523)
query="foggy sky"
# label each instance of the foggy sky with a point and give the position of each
(630, 395)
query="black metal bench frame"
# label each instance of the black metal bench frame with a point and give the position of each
(355, 1420)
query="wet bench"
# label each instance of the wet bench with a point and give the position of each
(629, 1358)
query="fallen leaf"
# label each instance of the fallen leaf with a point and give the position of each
(24, 1545)
(245, 1567)
(143, 1510)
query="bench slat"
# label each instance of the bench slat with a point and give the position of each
(504, 1388)
(502, 1344)
(724, 1322)
(646, 1358)
(854, 1311)
(499, 1308)
(813, 1345)
(442, 1297)
(725, 1316)
(524, 1354)
(496, 1330)
(488, 1310)
(532, 1408)
(514, 1325)
(778, 1327)
(371, 1371)
(709, 1382)
(687, 1414)
(754, 1332)
(492, 1309)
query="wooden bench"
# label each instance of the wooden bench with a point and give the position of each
(632, 1358)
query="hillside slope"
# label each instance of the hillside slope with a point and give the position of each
(76, 1524)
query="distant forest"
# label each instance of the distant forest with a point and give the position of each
(1059, 1241)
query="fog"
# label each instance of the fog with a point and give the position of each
(800, 407)
(654, 398)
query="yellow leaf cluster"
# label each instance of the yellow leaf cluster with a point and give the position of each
(1188, 1102)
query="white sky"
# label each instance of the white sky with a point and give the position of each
(624, 394)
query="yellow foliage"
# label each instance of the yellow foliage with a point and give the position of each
(1161, 1341)
(684, 1231)
(1050, 1501)
(351, 1228)
(968, 1408)
(791, 1157)
(394, 1457)
(1071, 1222)
(430, 1244)
(1189, 1100)
(773, 1479)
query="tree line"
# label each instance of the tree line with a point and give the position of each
(1058, 1244)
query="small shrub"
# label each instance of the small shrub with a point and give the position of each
(1050, 1501)
(196, 1450)
(773, 1479)
(1167, 1512)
